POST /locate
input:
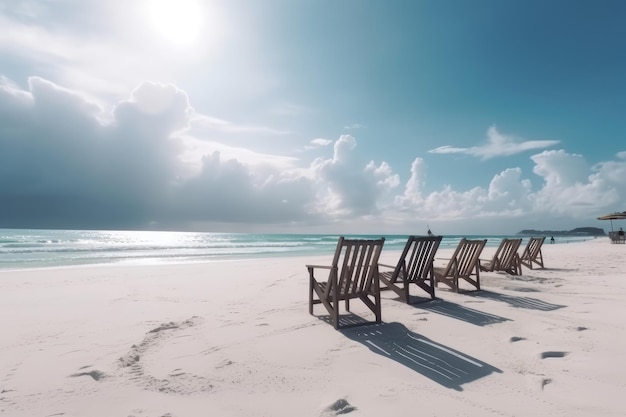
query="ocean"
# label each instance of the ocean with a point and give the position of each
(29, 248)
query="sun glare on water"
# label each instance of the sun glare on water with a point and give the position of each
(178, 21)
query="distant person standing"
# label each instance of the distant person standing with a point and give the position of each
(429, 232)
(552, 239)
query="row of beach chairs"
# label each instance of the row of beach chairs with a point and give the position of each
(355, 271)
(616, 237)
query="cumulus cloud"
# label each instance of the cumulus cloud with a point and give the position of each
(61, 166)
(569, 189)
(497, 145)
(412, 196)
(346, 186)
(65, 161)
(570, 184)
(318, 143)
(506, 195)
(225, 191)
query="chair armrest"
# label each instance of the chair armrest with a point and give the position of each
(319, 266)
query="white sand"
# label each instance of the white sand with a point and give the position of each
(236, 339)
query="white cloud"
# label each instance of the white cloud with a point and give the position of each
(572, 187)
(385, 176)
(196, 147)
(412, 196)
(67, 162)
(88, 63)
(346, 186)
(560, 169)
(318, 143)
(104, 48)
(164, 105)
(209, 122)
(497, 145)
(225, 191)
(508, 191)
(61, 167)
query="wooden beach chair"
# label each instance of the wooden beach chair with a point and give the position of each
(414, 266)
(532, 253)
(505, 259)
(463, 265)
(352, 274)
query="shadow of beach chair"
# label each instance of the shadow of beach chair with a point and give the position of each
(532, 253)
(463, 264)
(463, 313)
(518, 302)
(505, 259)
(352, 274)
(441, 364)
(414, 266)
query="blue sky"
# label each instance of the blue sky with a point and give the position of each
(352, 116)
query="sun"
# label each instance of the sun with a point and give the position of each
(178, 21)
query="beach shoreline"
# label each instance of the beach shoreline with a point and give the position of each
(29, 248)
(234, 338)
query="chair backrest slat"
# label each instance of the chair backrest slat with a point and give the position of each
(533, 247)
(360, 258)
(465, 257)
(353, 274)
(506, 256)
(509, 253)
(415, 265)
(417, 257)
(532, 252)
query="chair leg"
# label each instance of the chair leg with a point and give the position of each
(310, 295)
(431, 287)
(377, 299)
(335, 309)
(430, 284)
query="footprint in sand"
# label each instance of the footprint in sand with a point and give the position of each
(537, 381)
(341, 406)
(95, 374)
(178, 382)
(516, 339)
(553, 354)
(544, 382)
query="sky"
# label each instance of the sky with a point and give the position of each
(312, 116)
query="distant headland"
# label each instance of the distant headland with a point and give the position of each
(579, 231)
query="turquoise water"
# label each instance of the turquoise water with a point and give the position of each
(26, 248)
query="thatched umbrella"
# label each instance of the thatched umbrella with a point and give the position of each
(613, 216)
